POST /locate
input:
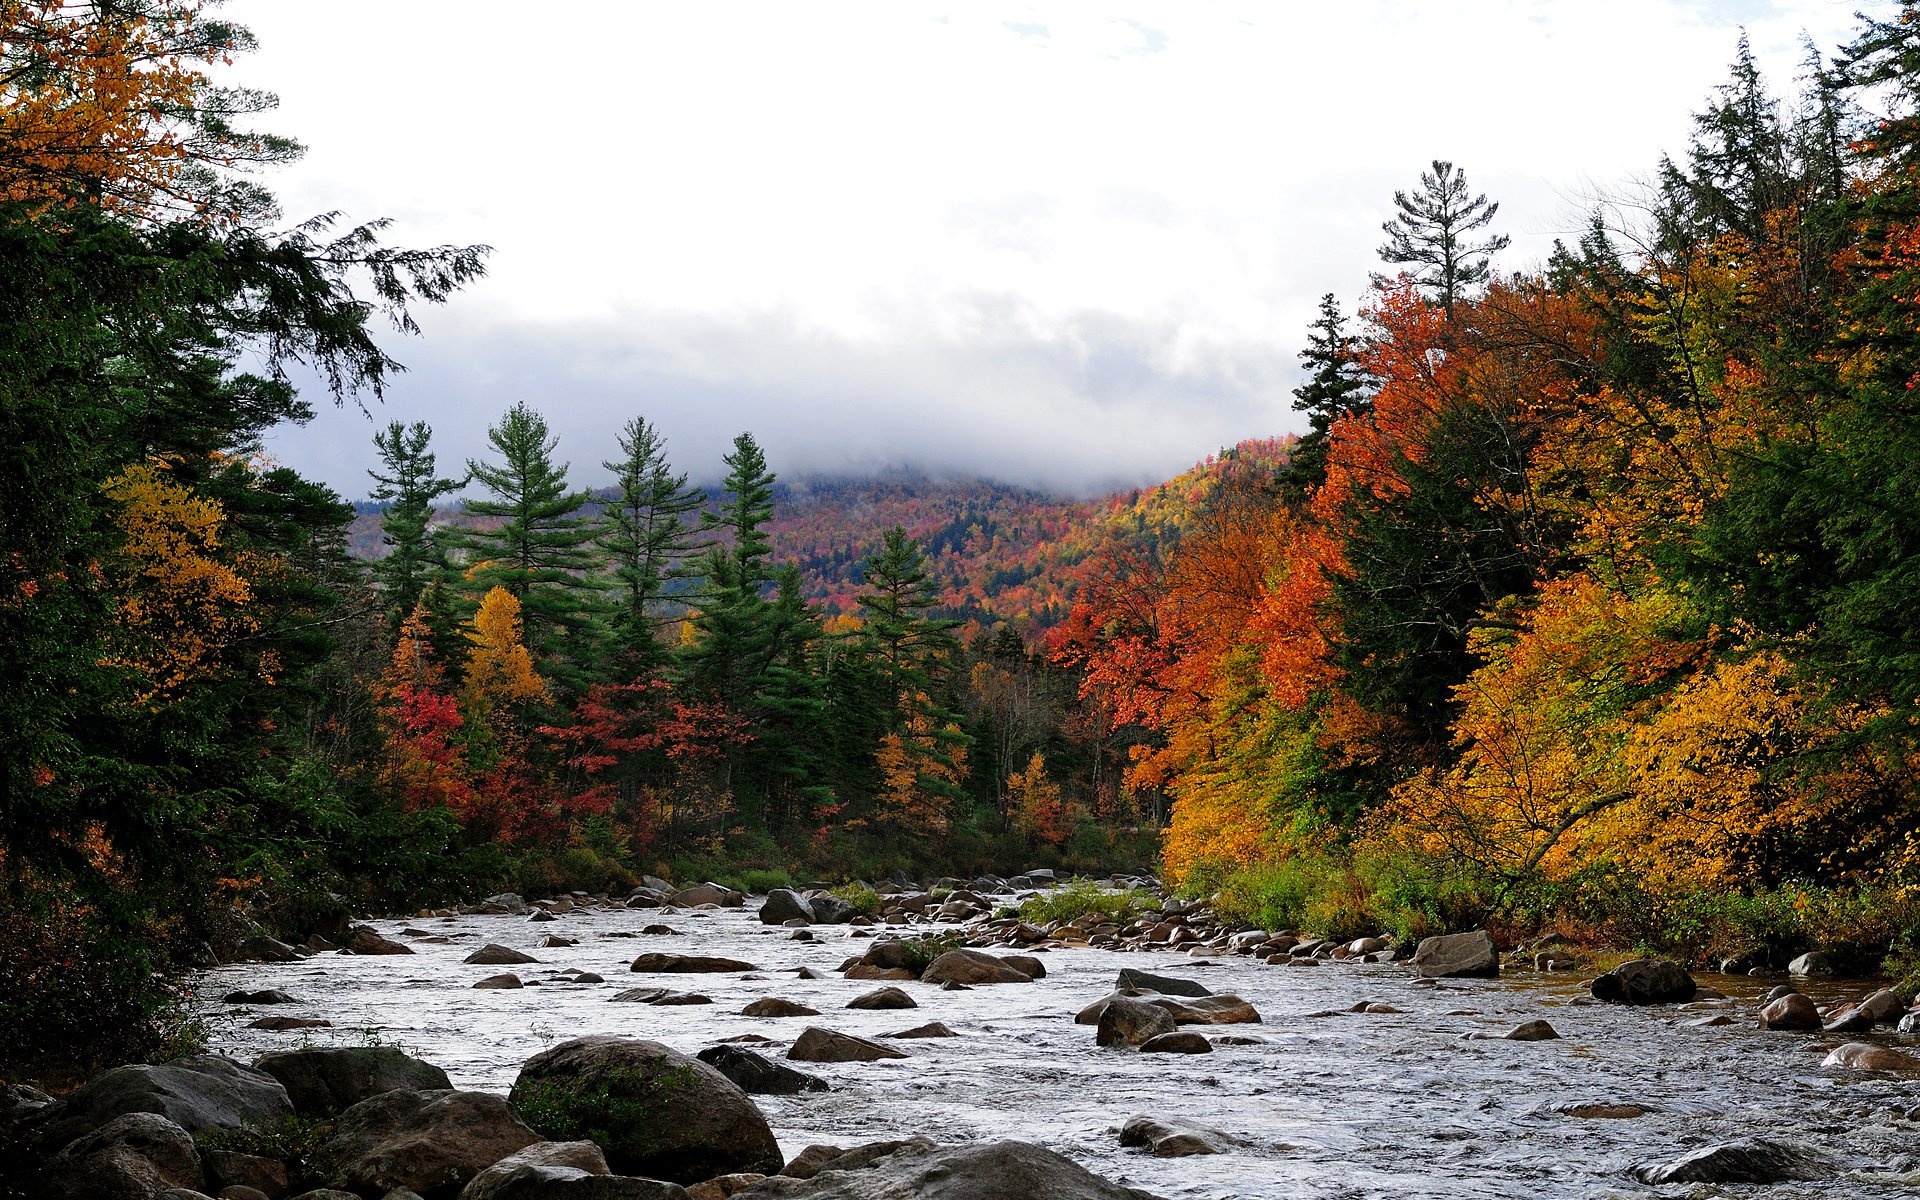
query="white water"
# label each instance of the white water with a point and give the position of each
(1347, 1105)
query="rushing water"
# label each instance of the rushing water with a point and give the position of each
(1330, 1104)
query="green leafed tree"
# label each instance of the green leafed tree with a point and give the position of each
(1433, 235)
(646, 535)
(409, 487)
(1336, 385)
(541, 549)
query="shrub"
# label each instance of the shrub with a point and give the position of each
(758, 881)
(864, 899)
(1081, 897)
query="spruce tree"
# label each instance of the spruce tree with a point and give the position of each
(645, 535)
(1430, 234)
(735, 643)
(409, 488)
(906, 645)
(542, 550)
(1336, 385)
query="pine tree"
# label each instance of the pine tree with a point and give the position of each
(644, 533)
(1430, 234)
(415, 556)
(905, 644)
(1336, 385)
(542, 551)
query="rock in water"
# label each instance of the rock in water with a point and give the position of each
(708, 893)
(559, 1171)
(1128, 1022)
(1646, 981)
(783, 905)
(322, 1082)
(197, 1093)
(365, 939)
(1865, 1056)
(932, 1029)
(1207, 1010)
(825, 1045)
(923, 1171)
(1453, 955)
(972, 967)
(882, 998)
(495, 955)
(774, 1006)
(666, 1116)
(686, 964)
(1166, 985)
(1791, 1011)
(1181, 1041)
(1170, 1137)
(758, 1075)
(1750, 1160)
(1532, 1031)
(430, 1142)
(1814, 964)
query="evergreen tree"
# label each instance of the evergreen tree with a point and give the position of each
(906, 645)
(644, 533)
(1336, 385)
(542, 551)
(1738, 168)
(409, 487)
(1430, 234)
(734, 645)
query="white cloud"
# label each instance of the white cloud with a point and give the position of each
(966, 226)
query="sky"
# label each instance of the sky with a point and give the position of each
(1070, 245)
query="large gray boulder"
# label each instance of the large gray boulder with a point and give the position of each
(783, 905)
(324, 1081)
(1646, 981)
(831, 1046)
(686, 964)
(829, 909)
(1171, 1137)
(972, 967)
(1126, 1021)
(1456, 955)
(923, 1171)
(708, 893)
(431, 1142)
(132, 1157)
(1166, 985)
(654, 1111)
(1207, 1010)
(197, 1093)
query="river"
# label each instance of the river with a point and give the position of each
(1329, 1104)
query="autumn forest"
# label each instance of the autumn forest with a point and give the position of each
(1588, 602)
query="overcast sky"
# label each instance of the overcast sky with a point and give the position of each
(1067, 244)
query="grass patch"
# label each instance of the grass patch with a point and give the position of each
(1082, 897)
(864, 899)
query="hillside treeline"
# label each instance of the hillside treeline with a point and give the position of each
(1593, 597)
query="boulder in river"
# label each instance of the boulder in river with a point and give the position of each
(708, 893)
(1170, 1137)
(783, 905)
(1457, 955)
(1814, 964)
(1532, 1031)
(510, 903)
(1125, 1021)
(1646, 981)
(981, 1171)
(1165, 985)
(774, 1006)
(826, 1045)
(972, 967)
(1865, 1056)
(281, 1024)
(1791, 1011)
(1207, 1010)
(663, 1115)
(326, 1080)
(430, 1142)
(497, 982)
(261, 948)
(198, 1093)
(687, 964)
(758, 1075)
(365, 939)
(1180, 1041)
(1749, 1160)
(263, 996)
(495, 955)
(882, 998)
(829, 909)
(932, 1029)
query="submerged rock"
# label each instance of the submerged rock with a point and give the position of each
(687, 964)
(1170, 1137)
(1750, 1160)
(923, 1171)
(1865, 1056)
(826, 1045)
(495, 955)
